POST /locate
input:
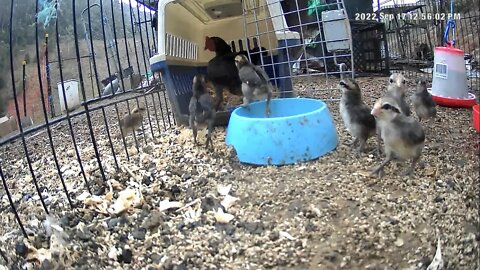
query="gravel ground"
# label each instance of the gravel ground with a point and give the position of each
(323, 214)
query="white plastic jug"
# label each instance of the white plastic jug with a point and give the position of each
(449, 74)
(71, 93)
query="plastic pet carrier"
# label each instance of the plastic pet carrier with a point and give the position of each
(183, 26)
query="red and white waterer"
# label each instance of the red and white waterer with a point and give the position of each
(449, 84)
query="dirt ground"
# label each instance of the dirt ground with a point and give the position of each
(322, 214)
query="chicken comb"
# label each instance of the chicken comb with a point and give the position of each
(209, 45)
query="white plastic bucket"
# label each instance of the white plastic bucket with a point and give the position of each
(449, 74)
(71, 93)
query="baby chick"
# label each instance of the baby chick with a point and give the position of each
(403, 136)
(130, 122)
(255, 82)
(397, 89)
(422, 101)
(355, 114)
(202, 109)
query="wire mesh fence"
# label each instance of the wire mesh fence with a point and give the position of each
(305, 51)
(96, 55)
(79, 67)
(415, 28)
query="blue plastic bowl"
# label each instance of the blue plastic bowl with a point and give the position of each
(299, 129)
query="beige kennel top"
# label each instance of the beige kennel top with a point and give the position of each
(183, 25)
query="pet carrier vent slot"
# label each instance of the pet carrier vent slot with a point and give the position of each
(180, 48)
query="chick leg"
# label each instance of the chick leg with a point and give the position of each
(191, 121)
(376, 150)
(210, 123)
(267, 104)
(132, 131)
(379, 142)
(411, 169)
(247, 95)
(362, 143)
(218, 96)
(379, 170)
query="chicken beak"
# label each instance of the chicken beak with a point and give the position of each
(375, 111)
(342, 86)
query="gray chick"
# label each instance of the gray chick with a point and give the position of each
(397, 89)
(355, 114)
(255, 82)
(130, 122)
(202, 109)
(422, 101)
(403, 136)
